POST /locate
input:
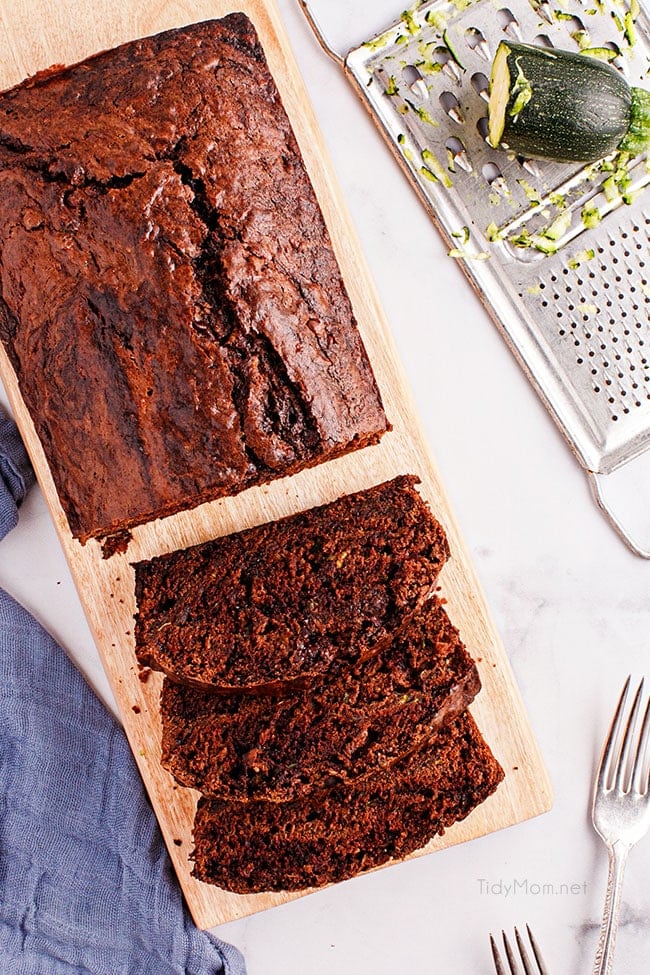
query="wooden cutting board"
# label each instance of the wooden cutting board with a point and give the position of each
(37, 33)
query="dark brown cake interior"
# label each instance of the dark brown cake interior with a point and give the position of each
(286, 599)
(324, 838)
(342, 727)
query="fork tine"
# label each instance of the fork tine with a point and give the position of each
(525, 960)
(498, 964)
(512, 961)
(639, 780)
(623, 776)
(537, 953)
(513, 966)
(607, 759)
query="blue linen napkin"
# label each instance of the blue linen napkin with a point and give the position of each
(86, 886)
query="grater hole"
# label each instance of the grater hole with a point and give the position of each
(482, 128)
(481, 85)
(415, 81)
(576, 26)
(619, 61)
(451, 106)
(508, 22)
(454, 145)
(543, 40)
(612, 46)
(441, 55)
(444, 57)
(457, 155)
(491, 173)
(475, 40)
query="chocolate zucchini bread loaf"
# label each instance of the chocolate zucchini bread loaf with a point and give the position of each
(169, 297)
(339, 728)
(323, 838)
(287, 599)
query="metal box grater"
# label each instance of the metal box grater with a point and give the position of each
(570, 294)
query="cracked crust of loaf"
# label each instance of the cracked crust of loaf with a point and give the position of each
(169, 296)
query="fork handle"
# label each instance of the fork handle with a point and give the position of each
(607, 941)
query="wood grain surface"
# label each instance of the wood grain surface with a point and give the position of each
(35, 34)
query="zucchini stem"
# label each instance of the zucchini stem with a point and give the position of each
(638, 135)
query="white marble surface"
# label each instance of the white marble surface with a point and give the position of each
(571, 603)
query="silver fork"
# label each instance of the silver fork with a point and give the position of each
(514, 968)
(621, 807)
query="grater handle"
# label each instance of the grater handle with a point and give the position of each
(597, 483)
(320, 37)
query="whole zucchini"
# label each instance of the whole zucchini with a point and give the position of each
(552, 104)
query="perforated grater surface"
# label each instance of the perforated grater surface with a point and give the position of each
(558, 253)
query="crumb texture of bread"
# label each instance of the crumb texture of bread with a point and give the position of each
(169, 296)
(286, 600)
(342, 727)
(325, 838)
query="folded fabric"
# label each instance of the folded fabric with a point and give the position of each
(86, 886)
(16, 474)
